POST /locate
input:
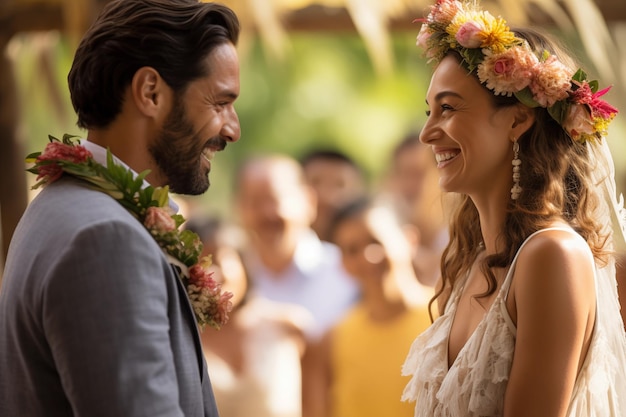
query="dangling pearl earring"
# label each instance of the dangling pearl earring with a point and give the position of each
(516, 190)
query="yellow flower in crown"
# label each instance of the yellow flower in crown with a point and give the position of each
(602, 125)
(480, 29)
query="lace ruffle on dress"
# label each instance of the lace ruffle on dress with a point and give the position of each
(475, 384)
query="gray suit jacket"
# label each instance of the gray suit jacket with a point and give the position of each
(93, 320)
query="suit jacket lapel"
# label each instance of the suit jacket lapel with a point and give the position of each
(191, 318)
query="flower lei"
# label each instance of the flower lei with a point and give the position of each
(507, 66)
(150, 206)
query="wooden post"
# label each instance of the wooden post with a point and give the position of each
(13, 191)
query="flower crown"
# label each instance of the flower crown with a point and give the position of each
(507, 66)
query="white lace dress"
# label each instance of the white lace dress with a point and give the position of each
(475, 384)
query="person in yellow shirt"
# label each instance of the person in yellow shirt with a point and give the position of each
(361, 356)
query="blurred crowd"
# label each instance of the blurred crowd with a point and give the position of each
(332, 273)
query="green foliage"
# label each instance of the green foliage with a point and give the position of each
(559, 111)
(525, 96)
(323, 93)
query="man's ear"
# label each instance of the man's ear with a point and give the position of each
(524, 118)
(148, 91)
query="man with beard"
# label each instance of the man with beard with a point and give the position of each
(94, 320)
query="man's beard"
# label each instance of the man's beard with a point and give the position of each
(178, 153)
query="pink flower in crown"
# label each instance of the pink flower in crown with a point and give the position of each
(159, 219)
(423, 36)
(469, 35)
(442, 13)
(508, 72)
(578, 122)
(551, 82)
(55, 152)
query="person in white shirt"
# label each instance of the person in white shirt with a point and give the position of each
(286, 260)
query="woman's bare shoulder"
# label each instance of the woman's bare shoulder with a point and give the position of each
(555, 265)
(557, 248)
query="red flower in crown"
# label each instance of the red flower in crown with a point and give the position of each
(600, 108)
(582, 94)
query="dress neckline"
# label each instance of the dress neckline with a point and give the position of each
(499, 300)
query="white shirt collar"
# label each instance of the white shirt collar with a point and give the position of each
(100, 155)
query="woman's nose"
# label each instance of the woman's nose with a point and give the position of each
(427, 132)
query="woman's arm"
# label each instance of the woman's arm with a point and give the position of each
(552, 301)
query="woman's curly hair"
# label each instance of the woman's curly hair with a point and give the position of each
(556, 183)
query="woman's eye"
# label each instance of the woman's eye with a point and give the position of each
(446, 107)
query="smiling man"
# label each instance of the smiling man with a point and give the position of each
(94, 320)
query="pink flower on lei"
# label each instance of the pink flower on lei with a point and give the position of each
(209, 303)
(159, 219)
(55, 153)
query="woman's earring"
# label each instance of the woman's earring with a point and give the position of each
(516, 190)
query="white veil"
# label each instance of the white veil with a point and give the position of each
(613, 215)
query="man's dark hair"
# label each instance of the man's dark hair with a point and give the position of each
(172, 36)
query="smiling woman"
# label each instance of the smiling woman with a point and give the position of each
(529, 313)
(475, 157)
